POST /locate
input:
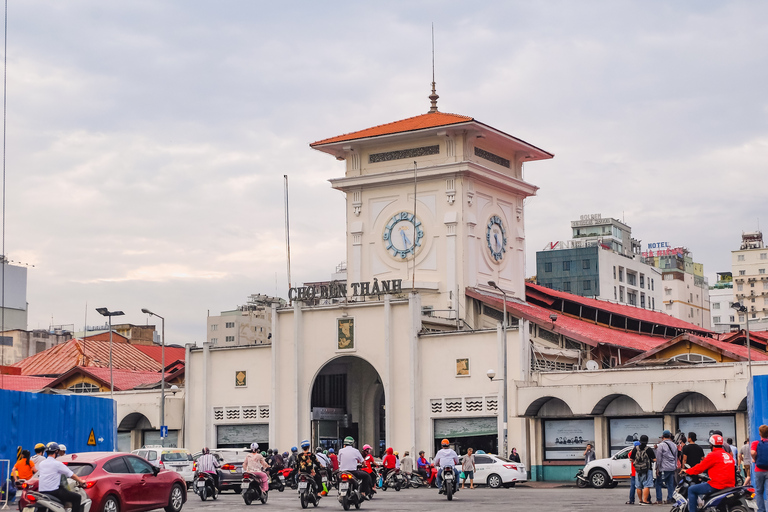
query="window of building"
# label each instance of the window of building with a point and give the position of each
(642, 301)
(742, 272)
(693, 358)
(614, 293)
(740, 257)
(691, 312)
(621, 294)
(632, 299)
(229, 325)
(761, 271)
(751, 285)
(84, 387)
(566, 265)
(667, 291)
(765, 286)
(653, 303)
(765, 300)
(631, 279)
(716, 305)
(214, 327)
(614, 271)
(669, 307)
(585, 264)
(642, 281)
(764, 255)
(741, 318)
(690, 299)
(733, 319)
(214, 340)
(716, 319)
(739, 287)
(229, 338)
(754, 315)
(587, 285)
(621, 275)
(651, 284)
(566, 286)
(547, 266)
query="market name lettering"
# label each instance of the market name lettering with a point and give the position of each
(337, 290)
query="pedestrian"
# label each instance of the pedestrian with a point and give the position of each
(589, 454)
(759, 453)
(468, 468)
(514, 456)
(24, 467)
(406, 465)
(39, 455)
(632, 486)
(642, 457)
(745, 460)
(666, 465)
(692, 452)
(734, 449)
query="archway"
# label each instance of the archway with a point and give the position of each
(689, 402)
(348, 400)
(130, 432)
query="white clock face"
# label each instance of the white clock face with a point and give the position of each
(403, 234)
(496, 238)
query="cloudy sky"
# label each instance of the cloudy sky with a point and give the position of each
(147, 140)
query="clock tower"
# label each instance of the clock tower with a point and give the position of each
(437, 201)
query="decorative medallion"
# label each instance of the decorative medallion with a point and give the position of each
(403, 234)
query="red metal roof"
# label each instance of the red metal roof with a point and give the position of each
(730, 350)
(24, 382)
(644, 315)
(579, 330)
(124, 379)
(736, 350)
(421, 122)
(172, 354)
(75, 352)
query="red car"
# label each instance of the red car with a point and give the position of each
(122, 482)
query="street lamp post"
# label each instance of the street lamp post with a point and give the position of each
(743, 309)
(504, 367)
(109, 314)
(162, 378)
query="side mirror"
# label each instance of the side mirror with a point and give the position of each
(155, 470)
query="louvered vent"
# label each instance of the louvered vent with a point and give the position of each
(218, 413)
(233, 413)
(250, 412)
(453, 405)
(263, 412)
(437, 406)
(473, 404)
(492, 403)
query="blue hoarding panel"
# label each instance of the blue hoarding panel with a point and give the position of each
(757, 405)
(30, 418)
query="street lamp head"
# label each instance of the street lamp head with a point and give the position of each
(146, 311)
(553, 317)
(736, 305)
(106, 312)
(490, 374)
(492, 284)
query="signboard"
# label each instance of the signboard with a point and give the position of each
(338, 289)
(327, 413)
(462, 367)
(625, 431)
(240, 379)
(92, 439)
(656, 249)
(466, 427)
(346, 333)
(704, 425)
(163, 431)
(232, 436)
(567, 439)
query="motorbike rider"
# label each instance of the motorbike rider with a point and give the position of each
(720, 467)
(444, 458)
(423, 466)
(207, 463)
(334, 459)
(39, 455)
(307, 463)
(389, 463)
(49, 476)
(349, 458)
(255, 464)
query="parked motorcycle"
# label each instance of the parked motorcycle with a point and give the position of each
(276, 480)
(252, 490)
(205, 486)
(731, 499)
(349, 491)
(45, 502)
(449, 482)
(416, 480)
(308, 490)
(396, 480)
(581, 480)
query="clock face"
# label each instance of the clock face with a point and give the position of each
(403, 234)
(496, 238)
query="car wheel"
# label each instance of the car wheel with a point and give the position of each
(176, 500)
(494, 481)
(581, 483)
(111, 505)
(599, 479)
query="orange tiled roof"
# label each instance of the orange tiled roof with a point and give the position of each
(23, 382)
(61, 358)
(421, 122)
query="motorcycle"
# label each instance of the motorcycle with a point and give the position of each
(416, 480)
(205, 486)
(731, 499)
(396, 480)
(288, 478)
(39, 502)
(449, 482)
(252, 490)
(581, 480)
(308, 490)
(349, 491)
(276, 480)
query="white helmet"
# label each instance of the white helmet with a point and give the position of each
(254, 447)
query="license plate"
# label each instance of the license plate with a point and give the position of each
(343, 487)
(325, 479)
(282, 478)
(302, 485)
(200, 483)
(679, 499)
(29, 509)
(449, 476)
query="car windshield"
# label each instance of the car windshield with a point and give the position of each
(175, 457)
(80, 468)
(232, 457)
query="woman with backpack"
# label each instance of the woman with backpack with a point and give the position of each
(643, 458)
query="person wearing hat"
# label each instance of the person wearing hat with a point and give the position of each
(666, 465)
(39, 455)
(49, 478)
(632, 486)
(720, 467)
(349, 458)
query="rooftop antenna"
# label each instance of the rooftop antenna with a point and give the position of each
(433, 97)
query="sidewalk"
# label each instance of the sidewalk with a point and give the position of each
(547, 485)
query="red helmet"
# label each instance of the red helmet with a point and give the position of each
(445, 442)
(716, 440)
(367, 447)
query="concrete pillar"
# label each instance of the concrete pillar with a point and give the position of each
(388, 376)
(451, 270)
(414, 309)
(274, 401)
(208, 414)
(188, 383)
(602, 439)
(355, 266)
(302, 430)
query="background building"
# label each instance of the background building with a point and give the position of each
(14, 311)
(250, 324)
(720, 300)
(19, 343)
(748, 266)
(602, 261)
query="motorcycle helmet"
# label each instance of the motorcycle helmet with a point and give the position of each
(206, 451)
(349, 441)
(325, 452)
(318, 450)
(263, 454)
(716, 440)
(305, 444)
(285, 455)
(367, 447)
(396, 454)
(294, 449)
(330, 450)
(444, 442)
(254, 447)
(270, 451)
(62, 448)
(53, 447)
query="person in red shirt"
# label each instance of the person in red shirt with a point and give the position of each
(334, 459)
(720, 467)
(760, 475)
(389, 462)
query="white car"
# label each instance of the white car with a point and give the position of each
(606, 472)
(173, 459)
(497, 471)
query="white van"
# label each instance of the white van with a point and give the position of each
(173, 459)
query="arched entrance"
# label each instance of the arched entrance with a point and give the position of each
(348, 400)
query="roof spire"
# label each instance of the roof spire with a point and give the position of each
(433, 97)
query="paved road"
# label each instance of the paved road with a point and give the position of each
(424, 500)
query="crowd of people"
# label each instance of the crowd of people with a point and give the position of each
(661, 466)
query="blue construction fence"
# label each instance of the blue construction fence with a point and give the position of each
(757, 405)
(83, 423)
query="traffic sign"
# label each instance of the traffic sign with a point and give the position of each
(92, 439)
(163, 431)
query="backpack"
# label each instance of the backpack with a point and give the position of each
(762, 455)
(642, 461)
